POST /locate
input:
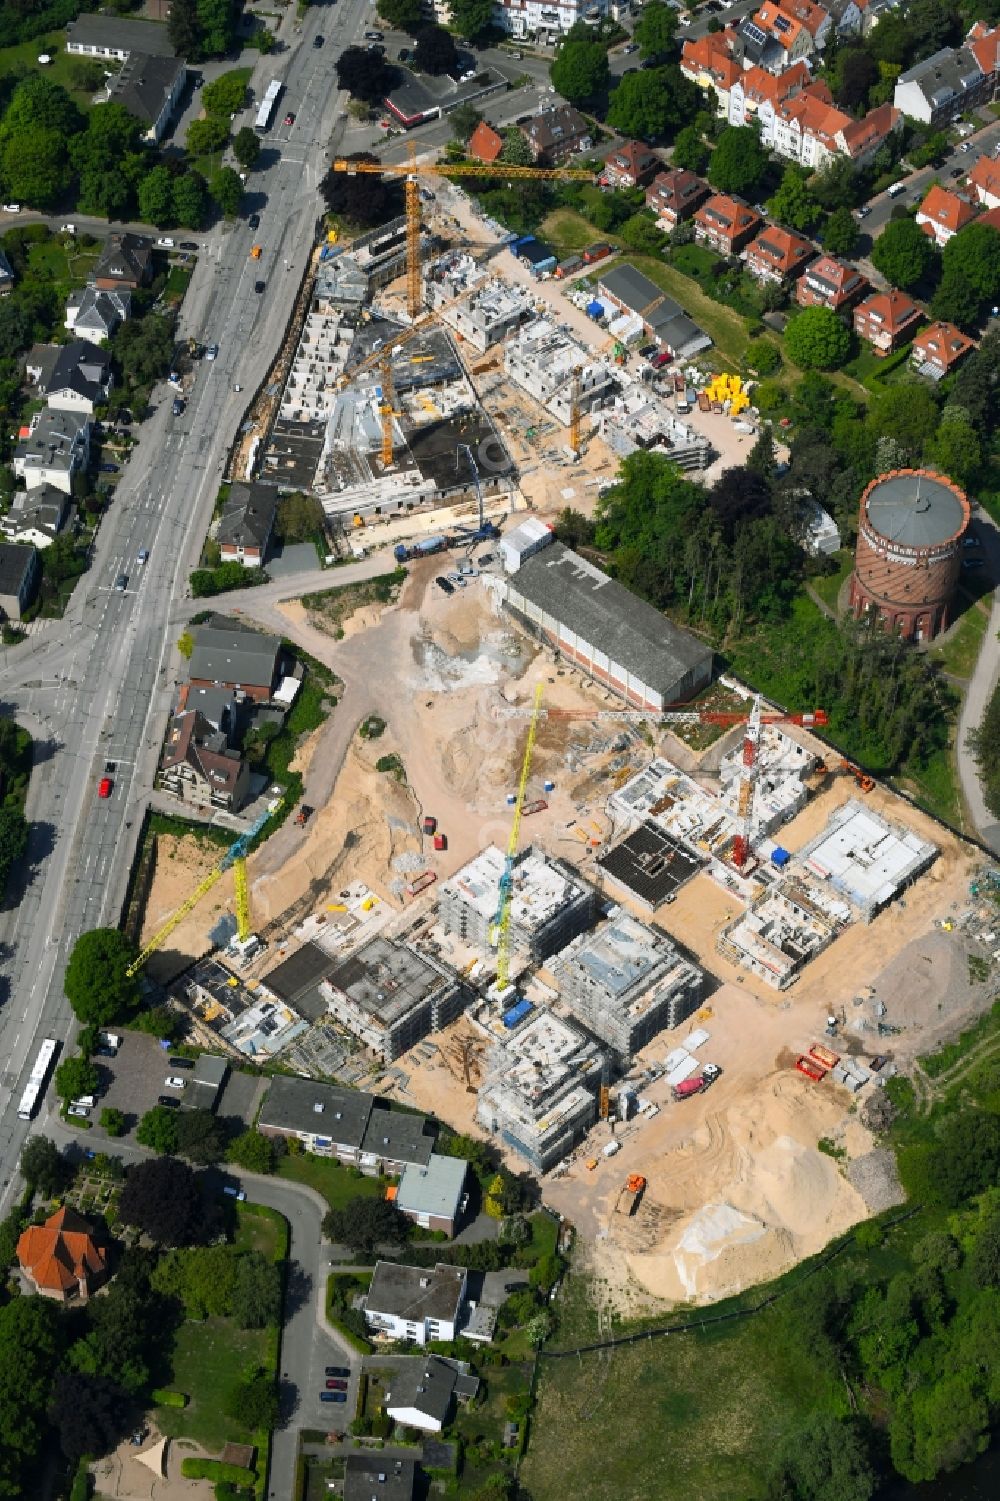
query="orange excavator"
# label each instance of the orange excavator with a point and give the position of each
(628, 1199)
(864, 781)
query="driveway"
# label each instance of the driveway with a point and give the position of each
(981, 685)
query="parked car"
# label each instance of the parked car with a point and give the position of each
(958, 172)
(142, 557)
(630, 48)
(178, 406)
(290, 118)
(333, 1396)
(338, 1370)
(170, 1101)
(165, 243)
(254, 221)
(174, 1081)
(109, 468)
(444, 585)
(374, 36)
(190, 245)
(336, 1386)
(258, 287)
(121, 583)
(318, 41)
(78, 1110)
(182, 1063)
(212, 352)
(12, 208)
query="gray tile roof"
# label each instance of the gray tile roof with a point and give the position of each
(77, 366)
(125, 257)
(145, 84)
(230, 655)
(54, 441)
(947, 75)
(609, 617)
(99, 310)
(416, 1293)
(248, 516)
(377, 1477)
(291, 1105)
(121, 34)
(668, 320)
(426, 1383)
(15, 562)
(397, 1136)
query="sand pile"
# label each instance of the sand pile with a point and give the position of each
(773, 1197)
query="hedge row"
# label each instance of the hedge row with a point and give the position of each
(214, 1469)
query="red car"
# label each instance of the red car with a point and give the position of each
(104, 787)
(336, 1386)
(289, 119)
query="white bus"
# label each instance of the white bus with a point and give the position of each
(35, 1087)
(267, 106)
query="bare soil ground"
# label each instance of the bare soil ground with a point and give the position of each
(181, 863)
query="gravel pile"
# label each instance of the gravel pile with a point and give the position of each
(875, 1178)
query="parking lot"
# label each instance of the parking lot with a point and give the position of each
(133, 1080)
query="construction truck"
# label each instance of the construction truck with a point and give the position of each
(698, 1083)
(628, 1199)
(423, 549)
(303, 814)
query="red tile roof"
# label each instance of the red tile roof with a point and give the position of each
(759, 85)
(726, 215)
(943, 344)
(781, 249)
(631, 158)
(710, 54)
(985, 177)
(62, 1253)
(984, 45)
(893, 309)
(946, 208)
(485, 144)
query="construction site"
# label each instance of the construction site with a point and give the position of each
(625, 942)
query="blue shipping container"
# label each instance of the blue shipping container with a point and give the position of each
(779, 856)
(517, 1013)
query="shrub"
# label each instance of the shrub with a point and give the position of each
(164, 1397)
(214, 1469)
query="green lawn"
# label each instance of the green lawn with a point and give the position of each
(677, 1418)
(257, 1230)
(60, 263)
(569, 232)
(935, 786)
(827, 585)
(206, 1362)
(960, 652)
(337, 1184)
(61, 69)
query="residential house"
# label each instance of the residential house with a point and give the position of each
(72, 377)
(710, 62)
(757, 95)
(780, 34)
(423, 1391)
(485, 143)
(65, 1258)
(726, 224)
(6, 275)
(94, 315)
(674, 196)
(830, 283)
(847, 18)
(556, 134)
(938, 349)
(985, 180)
(886, 320)
(546, 18)
(20, 571)
(117, 36)
(663, 319)
(230, 656)
(777, 254)
(54, 448)
(329, 1121)
(630, 165)
(197, 765)
(246, 525)
(415, 1303)
(983, 41)
(949, 83)
(943, 213)
(373, 1477)
(37, 517)
(811, 130)
(125, 263)
(991, 218)
(431, 1196)
(149, 88)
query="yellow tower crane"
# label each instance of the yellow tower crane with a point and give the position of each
(413, 172)
(501, 922)
(387, 407)
(235, 856)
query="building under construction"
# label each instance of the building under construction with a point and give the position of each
(546, 361)
(783, 929)
(389, 997)
(549, 904)
(866, 859)
(540, 1093)
(626, 982)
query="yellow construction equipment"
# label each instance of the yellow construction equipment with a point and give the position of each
(412, 173)
(242, 887)
(575, 411)
(386, 409)
(236, 852)
(501, 922)
(728, 388)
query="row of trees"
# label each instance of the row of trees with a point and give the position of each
(966, 272)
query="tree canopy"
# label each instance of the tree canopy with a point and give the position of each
(43, 1166)
(401, 15)
(435, 51)
(364, 1223)
(75, 1077)
(903, 253)
(816, 339)
(841, 233)
(984, 742)
(97, 984)
(793, 204)
(162, 1197)
(158, 1130)
(652, 103)
(472, 17)
(365, 199)
(365, 75)
(32, 1336)
(739, 162)
(690, 149)
(656, 29)
(256, 1298)
(247, 147)
(580, 70)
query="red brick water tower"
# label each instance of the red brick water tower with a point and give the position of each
(909, 551)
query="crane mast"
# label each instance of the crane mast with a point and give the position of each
(501, 922)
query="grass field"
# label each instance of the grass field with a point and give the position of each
(959, 654)
(257, 1231)
(206, 1362)
(676, 1418)
(62, 69)
(336, 1183)
(827, 585)
(569, 232)
(935, 786)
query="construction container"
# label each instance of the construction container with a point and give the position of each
(430, 824)
(517, 1013)
(440, 841)
(549, 786)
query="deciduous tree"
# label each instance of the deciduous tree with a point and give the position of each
(158, 1130)
(156, 197)
(435, 51)
(816, 339)
(656, 29)
(207, 135)
(254, 1402)
(42, 1165)
(580, 70)
(97, 983)
(226, 189)
(254, 1151)
(246, 147)
(225, 95)
(256, 1300)
(203, 1278)
(163, 1198)
(793, 204)
(828, 1461)
(690, 149)
(903, 253)
(190, 196)
(472, 17)
(739, 161)
(364, 1223)
(365, 199)
(365, 75)
(91, 1414)
(650, 104)
(401, 15)
(75, 1077)
(840, 236)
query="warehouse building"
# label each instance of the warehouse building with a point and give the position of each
(616, 638)
(627, 982)
(549, 904)
(540, 1093)
(389, 997)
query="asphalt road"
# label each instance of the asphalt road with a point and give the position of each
(98, 685)
(979, 690)
(983, 143)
